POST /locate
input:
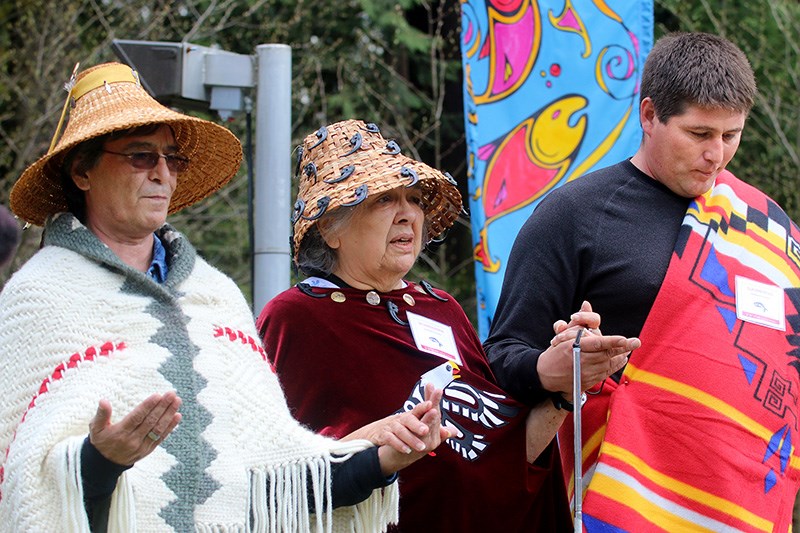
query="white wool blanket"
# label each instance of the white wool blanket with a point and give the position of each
(77, 325)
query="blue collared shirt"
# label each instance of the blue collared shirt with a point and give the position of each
(158, 267)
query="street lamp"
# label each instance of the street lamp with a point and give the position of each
(198, 77)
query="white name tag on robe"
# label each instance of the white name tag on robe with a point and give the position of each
(433, 337)
(440, 376)
(759, 303)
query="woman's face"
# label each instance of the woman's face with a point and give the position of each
(382, 240)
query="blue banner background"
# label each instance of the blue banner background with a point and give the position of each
(551, 91)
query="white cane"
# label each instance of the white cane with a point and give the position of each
(576, 422)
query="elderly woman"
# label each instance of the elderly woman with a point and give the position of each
(356, 338)
(117, 327)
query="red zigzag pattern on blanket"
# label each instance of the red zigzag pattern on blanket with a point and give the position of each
(234, 334)
(90, 354)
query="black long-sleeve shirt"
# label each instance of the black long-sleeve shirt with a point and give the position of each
(606, 237)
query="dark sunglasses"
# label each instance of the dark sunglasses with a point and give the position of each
(149, 160)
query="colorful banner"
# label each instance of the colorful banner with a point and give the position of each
(551, 91)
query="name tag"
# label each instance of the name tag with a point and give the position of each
(440, 376)
(759, 303)
(433, 337)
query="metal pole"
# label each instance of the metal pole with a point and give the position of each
(577, 440)
(272, 188)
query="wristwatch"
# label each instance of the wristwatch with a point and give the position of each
(561, 403)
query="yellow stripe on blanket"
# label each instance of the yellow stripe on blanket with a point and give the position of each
(703, 398)
(591, 445)
(654, 513)
(626, 495)
(772, 253)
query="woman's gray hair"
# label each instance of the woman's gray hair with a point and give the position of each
(315, 257)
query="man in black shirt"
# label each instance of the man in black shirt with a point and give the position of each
(608, 238)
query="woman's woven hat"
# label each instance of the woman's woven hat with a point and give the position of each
(342, 164)
(108, 98)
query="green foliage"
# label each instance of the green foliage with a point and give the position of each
(395, 63)
(392, 15)
(768, 31)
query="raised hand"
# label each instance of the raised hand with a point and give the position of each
(138, 434)
(601, 355)
(394, 458)
(402, 431)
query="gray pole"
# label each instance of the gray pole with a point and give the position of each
(272, 187)
(577, 406)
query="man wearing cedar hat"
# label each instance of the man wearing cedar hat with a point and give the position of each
(136, 395)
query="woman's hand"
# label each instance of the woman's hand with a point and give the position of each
(601, 355)
(428, 432)
(138, 434)
(404, 432)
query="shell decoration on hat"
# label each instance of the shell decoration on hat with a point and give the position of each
(342, 164)
(108, 98)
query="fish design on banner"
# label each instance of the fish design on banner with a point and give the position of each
(551, 92)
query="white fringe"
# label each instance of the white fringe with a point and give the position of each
(122, 514)
(71, 488)
(378, 511)
(278, 500)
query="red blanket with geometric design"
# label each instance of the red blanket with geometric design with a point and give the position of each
(701, 432)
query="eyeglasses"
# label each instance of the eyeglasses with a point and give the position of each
(149, 160)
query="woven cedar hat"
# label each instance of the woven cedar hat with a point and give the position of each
(108, 98)
(346, 162)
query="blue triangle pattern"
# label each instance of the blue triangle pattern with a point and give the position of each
(769, 481)
(774, 443)
(595, 525)
(749, 368)
(728, 316)
(714, 273)
(786, 450)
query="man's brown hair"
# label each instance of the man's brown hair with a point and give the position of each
(697, 69)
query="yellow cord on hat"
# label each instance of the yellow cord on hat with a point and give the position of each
(71, 84)
(93, 80)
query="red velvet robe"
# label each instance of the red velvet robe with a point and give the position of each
(345, 364)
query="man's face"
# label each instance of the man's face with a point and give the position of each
(126, 203)
(687, 152)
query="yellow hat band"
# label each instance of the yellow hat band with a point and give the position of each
(89, 82)
(101, 77)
